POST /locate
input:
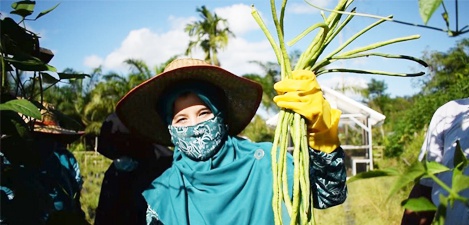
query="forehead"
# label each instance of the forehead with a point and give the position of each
(187, 100)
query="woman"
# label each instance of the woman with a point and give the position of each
(217, 177)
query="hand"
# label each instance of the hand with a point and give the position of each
(303, 95)
(115, 139)
(116, 125)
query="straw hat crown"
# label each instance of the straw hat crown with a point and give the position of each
(178, 63)
(49, 122)
(137, 109)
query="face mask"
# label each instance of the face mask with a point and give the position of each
(201, 141)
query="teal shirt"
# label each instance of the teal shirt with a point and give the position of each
(236, 186)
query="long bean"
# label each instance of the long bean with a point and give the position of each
(292, 126)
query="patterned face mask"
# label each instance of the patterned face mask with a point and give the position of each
(201, 141)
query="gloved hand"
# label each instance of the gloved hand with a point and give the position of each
(303, 95)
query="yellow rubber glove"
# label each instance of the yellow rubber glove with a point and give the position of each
(303, 95)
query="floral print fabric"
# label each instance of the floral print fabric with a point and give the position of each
(201, 141)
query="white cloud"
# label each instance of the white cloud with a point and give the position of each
(143, 44)
(237, 55)
(303, 8)
(93, 61)
(344, 83)
(179, 23)
(155, 48)
(239, 18)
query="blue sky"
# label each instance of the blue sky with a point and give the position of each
(84, 34)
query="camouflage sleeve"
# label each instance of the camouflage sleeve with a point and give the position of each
(152, 217)
(328, 178)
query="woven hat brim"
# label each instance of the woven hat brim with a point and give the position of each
(56, 130)
(137, 109)
(59, 133)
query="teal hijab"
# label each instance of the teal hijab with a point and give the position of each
(232, 187)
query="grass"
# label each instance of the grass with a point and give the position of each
(366, 205)
(93, 166)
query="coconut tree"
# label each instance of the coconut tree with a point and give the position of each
(211, 33)
(267, 80)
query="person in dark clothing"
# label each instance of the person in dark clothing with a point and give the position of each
(136, 163)
(46, 188)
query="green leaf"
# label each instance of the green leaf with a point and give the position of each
(413, 173)
(373, 174)
(459, 159)
(46, 11)
(23, 8)
(73, 75)
(22, 106)
(30, 63)
(47, 78)
(419, 204)
(13, 125)
(460, 181)
(434, 167)
(443, 200)
(427, 8)
(440, 214)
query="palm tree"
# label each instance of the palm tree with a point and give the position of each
(160, 68)
(139, 72)
(267, 80)
(211, 33)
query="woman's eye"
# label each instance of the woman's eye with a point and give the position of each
(180, 120)
(205, 112)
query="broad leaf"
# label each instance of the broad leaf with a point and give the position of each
(22, 106)
(459, 159)
(46, 11)
(373, 174)
(460, 181)
(23, 8)
(13, 124)
(30, 64)
(73, 76)
(427, 8)
(440, 215)
(419, 204)
(413, 173)
(434, 167)
(47, 78)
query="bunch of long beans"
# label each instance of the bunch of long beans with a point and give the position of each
(292, 125)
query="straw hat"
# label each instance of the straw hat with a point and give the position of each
(49, 125)
(137, 109)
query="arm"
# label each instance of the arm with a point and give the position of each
(418, 218)
(303, 95)
(152, 217)
(432, 150)
(328, 178)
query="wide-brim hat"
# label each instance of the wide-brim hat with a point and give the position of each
(138, 108)
(49, 125)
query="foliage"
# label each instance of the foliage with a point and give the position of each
(93, 166)
(365, 205)
(25, 72)
(375, 95)
(25, 76)
(258, 131)
(291, 125)
(428, 169)
(428, 7)
(211, 34)
(449, 80)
